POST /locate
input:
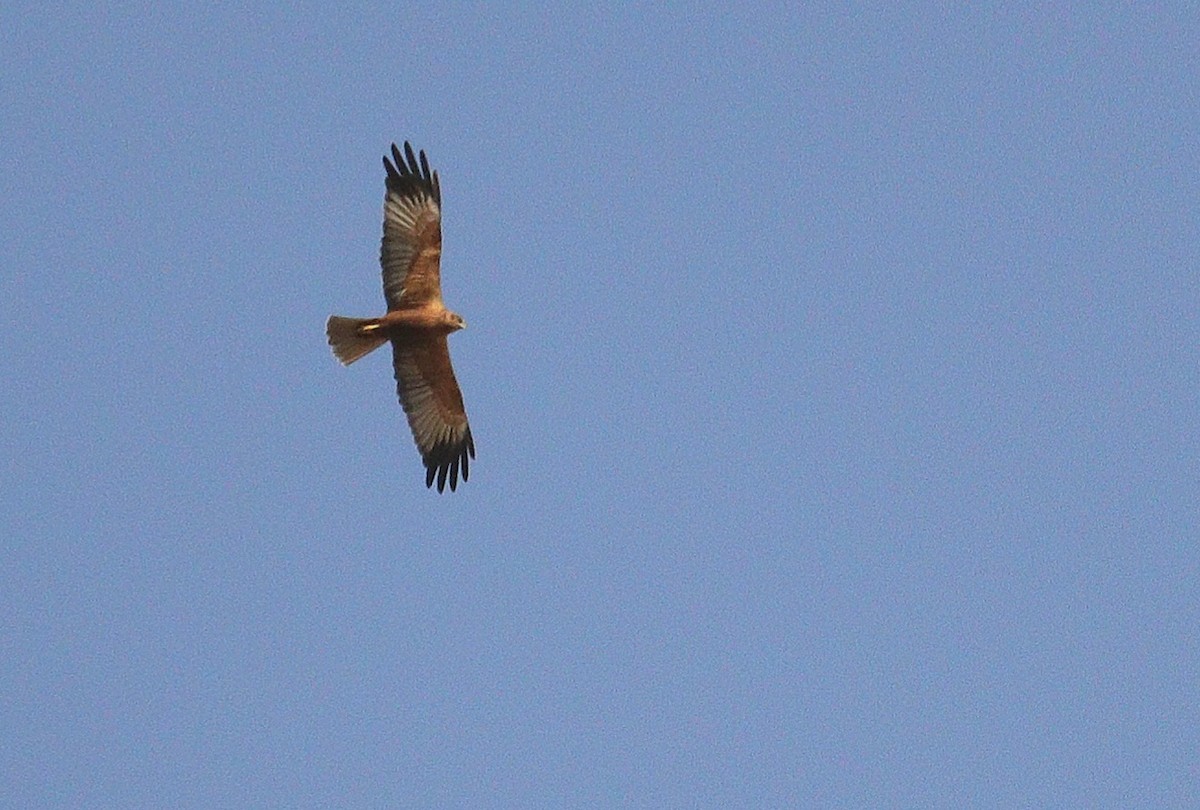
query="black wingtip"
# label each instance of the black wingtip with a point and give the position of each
(406, 172)
(450, 463)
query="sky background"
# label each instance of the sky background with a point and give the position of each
(834, 376)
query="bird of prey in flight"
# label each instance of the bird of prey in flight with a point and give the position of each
(417, 322)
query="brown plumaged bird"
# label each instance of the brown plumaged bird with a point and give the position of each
(417, 322)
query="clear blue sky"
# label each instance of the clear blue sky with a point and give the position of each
(834, 376)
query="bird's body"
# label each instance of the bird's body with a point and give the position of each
(417, 321)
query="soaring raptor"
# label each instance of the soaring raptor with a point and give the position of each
(417, 322)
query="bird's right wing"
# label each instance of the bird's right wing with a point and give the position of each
(411, 252)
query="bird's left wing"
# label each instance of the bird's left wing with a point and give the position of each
(434, 406)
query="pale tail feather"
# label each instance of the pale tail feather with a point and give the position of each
(348, 339)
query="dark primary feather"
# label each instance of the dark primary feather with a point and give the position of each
(407, 177)
(447, 459)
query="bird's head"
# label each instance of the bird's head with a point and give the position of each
(455, 321)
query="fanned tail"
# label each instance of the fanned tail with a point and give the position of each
(351, 338)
